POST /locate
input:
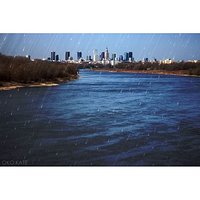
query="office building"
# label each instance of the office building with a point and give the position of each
(89, 58)
(53, 56)
(102, 56)
(167, 61)
(106, 54)
(57, 58)
(95, 55)
(121, 58)
(114, 56)
(67, 55)
(126, 56)
(79, 55)
(130, 56)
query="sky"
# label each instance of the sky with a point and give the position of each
(159, 46)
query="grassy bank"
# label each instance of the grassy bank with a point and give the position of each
(22, 71)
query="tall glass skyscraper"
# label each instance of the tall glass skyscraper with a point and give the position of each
(53, 55)
(114, 56)
(130, 56)
(57, 57)
(95, 55)
(102, 56)
(79, 55)
(126, 56)
(67, 55)
(120, 58)
(106, 54)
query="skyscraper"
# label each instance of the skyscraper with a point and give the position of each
(130, 56)
(126, 56)
(53, 55)
(57, 57)
(89, 58)
(102, 56)
(120, 58)
(79, 55)
(67, 55)
(114, 56)
(95, 55)
(106, 54)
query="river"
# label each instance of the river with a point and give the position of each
(103, 119)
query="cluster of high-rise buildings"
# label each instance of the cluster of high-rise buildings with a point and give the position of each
(104, 57)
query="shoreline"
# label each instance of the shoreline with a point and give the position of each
(19, 71)
(5, 86)
(155, 72)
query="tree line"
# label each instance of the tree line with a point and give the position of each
(23, 70)
(190, 68)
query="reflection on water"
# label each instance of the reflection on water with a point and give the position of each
(104, 119)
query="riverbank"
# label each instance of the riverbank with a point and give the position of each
(159, 72)
(4, 86)
(17, 72)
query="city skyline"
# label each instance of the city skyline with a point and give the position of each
(159, 46)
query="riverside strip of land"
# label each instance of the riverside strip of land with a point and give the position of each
(15, 85)
(161, 72)
(17, 72)
(179, 69)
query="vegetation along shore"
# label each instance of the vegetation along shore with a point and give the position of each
(179, 69)
(16, 72)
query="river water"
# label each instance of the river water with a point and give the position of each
(103, 118)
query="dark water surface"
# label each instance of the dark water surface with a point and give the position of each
(103, 119)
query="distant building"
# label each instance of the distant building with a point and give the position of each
(89, 58)
(103, 62)
(95, 55)
(167, 61)
(106, 54)
(28, 56)
(67, 55)
(53, 55)
(126, 56)
(120, 58)
(114, 62)
(102, 56)
(130, 56)
(79, 55)
(114, 56)
(193, 61)
(57, 58)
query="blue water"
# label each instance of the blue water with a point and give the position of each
(104, 118)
